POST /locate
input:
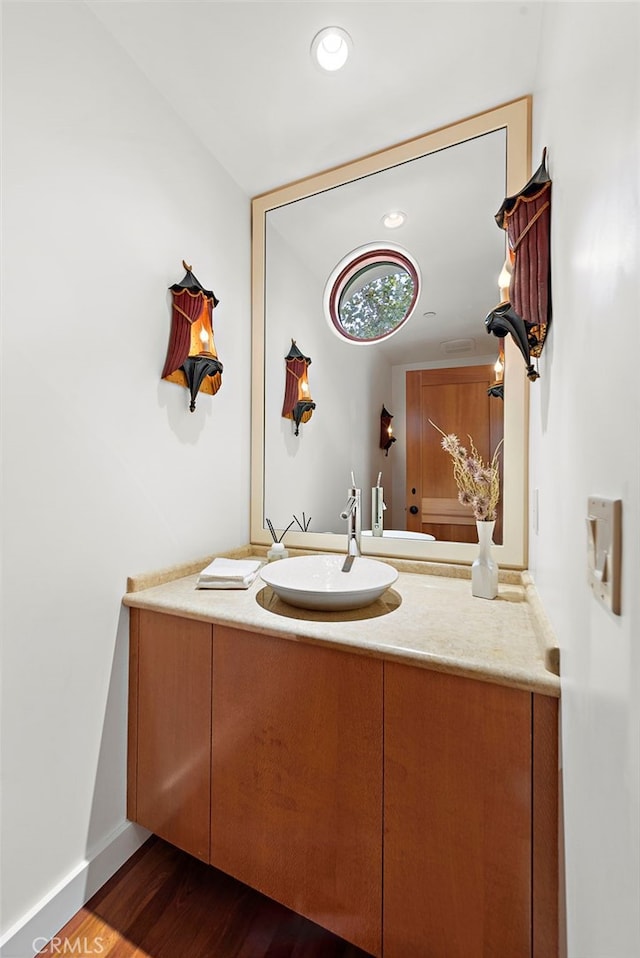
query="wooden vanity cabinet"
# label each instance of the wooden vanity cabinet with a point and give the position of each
(169, 754)
(296, 808)
(413, 813)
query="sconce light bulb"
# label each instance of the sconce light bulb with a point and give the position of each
(504, 280)
(204, 335)
(498, 366)
(304, 386)
(389, 430)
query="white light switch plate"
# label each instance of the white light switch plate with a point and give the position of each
(604, 550)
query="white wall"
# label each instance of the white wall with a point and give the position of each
(585, 417)
(105, 472)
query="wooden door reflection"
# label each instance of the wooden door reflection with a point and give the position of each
(457, 400)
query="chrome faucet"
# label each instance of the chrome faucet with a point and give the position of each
(378, 506)
(352, 514)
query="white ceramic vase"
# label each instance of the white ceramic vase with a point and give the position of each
(484, 571)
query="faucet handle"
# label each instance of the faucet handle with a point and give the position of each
(351, 502)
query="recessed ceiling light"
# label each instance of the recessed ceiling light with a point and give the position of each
(331, 47)
(393, 219)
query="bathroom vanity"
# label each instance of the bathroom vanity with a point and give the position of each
(390, 773)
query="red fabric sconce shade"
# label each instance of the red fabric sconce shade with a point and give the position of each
(387, 438)
(526, 315)
(192, 360)
(298, 405)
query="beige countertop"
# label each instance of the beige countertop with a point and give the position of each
(428, 619)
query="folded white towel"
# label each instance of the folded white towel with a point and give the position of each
(228, 574)
(227, 583)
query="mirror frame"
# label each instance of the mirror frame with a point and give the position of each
(515, 117)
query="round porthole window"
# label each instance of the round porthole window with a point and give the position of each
(371, 293)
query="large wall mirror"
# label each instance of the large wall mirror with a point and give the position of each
(449, 183)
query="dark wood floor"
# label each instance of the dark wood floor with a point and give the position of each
(165, 904)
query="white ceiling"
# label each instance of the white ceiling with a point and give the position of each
(240, 74)
(241, 77)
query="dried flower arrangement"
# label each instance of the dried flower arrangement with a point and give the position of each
(478, 482)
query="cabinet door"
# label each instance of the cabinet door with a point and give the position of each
(457, 860)
(297, 778)
(170, 729)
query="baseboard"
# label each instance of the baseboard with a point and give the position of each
(51, 913)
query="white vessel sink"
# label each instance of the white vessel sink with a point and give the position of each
(318, 582)
(401, 534)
